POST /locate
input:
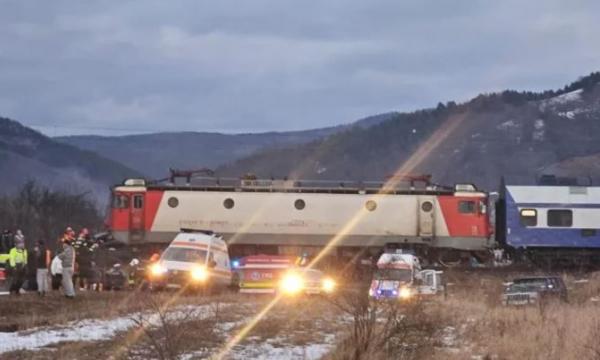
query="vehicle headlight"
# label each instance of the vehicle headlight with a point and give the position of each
(405, 293)
(292, 283)
(328, 285)
(157, 270)
(199, 273)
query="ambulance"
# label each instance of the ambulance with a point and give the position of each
(399, 276)
(195, 259)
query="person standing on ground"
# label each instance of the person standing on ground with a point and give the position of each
(19, 237)
(17, 259)
(67, 257)
(56, 272)
(42, 262)
(6, 241)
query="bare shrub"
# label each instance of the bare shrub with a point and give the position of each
(170, 331)
(383, 329)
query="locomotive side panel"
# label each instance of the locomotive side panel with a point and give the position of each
(296, 218)
(313, 219)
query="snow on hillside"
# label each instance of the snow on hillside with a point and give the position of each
(561, 99)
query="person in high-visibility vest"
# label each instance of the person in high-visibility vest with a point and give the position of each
(17, 259)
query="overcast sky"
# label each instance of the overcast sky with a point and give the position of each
(116, 67)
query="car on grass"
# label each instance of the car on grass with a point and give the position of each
(534, 290)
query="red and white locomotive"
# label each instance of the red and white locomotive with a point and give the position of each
(294, 217)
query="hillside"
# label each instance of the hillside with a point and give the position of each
(25, 154)
(514, 134)
(154, 154)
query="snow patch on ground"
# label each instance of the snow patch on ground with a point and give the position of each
(89, 330)
(277, 349)
(449, 337)
(86, 330)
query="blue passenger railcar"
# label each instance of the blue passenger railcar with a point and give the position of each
(564, 218)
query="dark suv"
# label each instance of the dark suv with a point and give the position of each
(533, 290)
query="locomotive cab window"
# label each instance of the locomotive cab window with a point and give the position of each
(120, 202)
(138, 201)
(560, 218)
(528, 217)
(467, 207)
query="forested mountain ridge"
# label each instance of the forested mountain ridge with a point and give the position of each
(26, 154)
(154, 154)
(518, 135)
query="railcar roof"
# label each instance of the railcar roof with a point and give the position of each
(307, 186)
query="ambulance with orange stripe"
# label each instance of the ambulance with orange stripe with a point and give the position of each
(195, 259)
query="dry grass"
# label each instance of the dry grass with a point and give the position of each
(297, 323)
(29, 310)
(487, 329)
(471, 323)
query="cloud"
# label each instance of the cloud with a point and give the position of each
(232, 66)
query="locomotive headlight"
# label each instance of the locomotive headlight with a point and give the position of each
(405, 293)
(328, 285)
(292, 283)
(199, 273)
(157, 270)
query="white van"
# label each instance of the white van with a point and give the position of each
(194, 259)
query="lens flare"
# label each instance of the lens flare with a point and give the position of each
(328, 285)
(405, 293)
(409, 165)
(199, 273)
(292, 283)
(157, 270)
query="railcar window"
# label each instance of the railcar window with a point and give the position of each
(528, 217)
(121, 202)
(560, 218)
(467, 207)
(138, 202)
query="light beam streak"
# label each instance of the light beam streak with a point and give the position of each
(422, 152)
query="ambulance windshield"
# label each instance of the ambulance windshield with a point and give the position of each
(184, 255)
(393, 274)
